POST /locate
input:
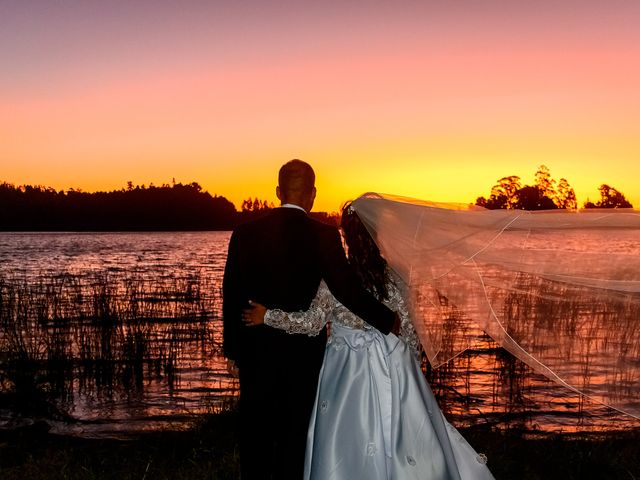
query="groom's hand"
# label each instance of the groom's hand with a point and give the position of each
(232, 368)
(254, 315)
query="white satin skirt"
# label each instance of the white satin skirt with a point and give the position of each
(375, 417)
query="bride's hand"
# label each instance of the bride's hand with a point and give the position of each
(254, 315)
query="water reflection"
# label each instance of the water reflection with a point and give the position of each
(108, 333)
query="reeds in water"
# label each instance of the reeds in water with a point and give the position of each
(99, 335)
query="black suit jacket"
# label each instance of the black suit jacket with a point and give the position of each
(279, 261)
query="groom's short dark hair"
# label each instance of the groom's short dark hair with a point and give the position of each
(296, 178)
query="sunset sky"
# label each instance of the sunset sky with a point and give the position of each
(435, 100)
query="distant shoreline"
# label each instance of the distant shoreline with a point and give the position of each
(170, 208)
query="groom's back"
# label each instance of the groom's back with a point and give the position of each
(284, 259)
(277, 261)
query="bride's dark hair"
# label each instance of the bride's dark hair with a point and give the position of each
(364, 254)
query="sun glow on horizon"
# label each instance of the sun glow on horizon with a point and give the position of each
(425, 101)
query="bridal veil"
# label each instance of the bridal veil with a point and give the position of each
(558, 289)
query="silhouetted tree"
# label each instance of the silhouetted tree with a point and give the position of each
(252, 208)
(255, 205)
(609, 198)
(544, 182)
(565, 195)
(509, 193)
(533, 198)
(507, 188)
(503, 194)
(494, 202)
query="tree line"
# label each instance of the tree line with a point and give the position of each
(187, 207)
(254, 207)
(134, 208)
(546, 194)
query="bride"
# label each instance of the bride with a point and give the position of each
(374, 416)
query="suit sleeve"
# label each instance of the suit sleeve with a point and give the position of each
(347, 287)
(232, 300)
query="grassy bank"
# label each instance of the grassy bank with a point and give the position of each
(209, 451)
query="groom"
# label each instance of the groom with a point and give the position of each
(279, 261)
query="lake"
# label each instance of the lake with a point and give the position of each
(108, 334)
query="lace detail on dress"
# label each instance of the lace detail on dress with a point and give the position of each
(324, 307)
(396, 302)
(343, 316)
(309, 322)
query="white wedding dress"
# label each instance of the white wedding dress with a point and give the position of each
(375, 416)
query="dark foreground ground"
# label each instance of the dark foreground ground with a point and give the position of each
(209, 451)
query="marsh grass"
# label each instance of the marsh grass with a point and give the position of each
(109, 338)
(98, 336)
(587, 337)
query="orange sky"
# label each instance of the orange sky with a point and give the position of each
(435, 102)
